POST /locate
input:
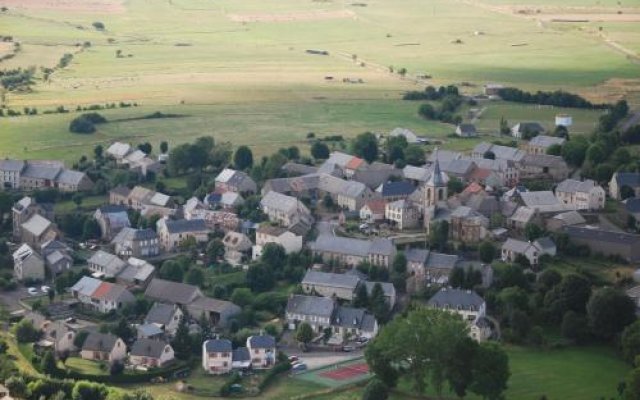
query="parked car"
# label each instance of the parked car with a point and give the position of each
(362, 341)
(298, 368)
(293, 359)
(348, 348)
(45, 288)
(32, 291)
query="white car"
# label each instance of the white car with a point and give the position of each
(45, 289)
(32, 291)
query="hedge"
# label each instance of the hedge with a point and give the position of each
(270, 376)
(122, 378)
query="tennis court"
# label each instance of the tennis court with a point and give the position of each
(337, 375)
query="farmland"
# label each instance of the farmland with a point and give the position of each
(239, 70)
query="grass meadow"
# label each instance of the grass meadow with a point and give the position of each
(239, 69)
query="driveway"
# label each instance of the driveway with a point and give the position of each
(319, 359)
(11, 299)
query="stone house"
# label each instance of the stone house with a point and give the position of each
(403, 214)
(230, 180)
(217, 356)
(351, 252)
(103, 347)
(266, 234)
(531, 250)
(236, 247)
(541, 143)
(27, 264)
(622, 179)
(581, 195)
(172, 233)
(131, 242)
(111, 219)
(151, 353)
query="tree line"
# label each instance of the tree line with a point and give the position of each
(558, 98)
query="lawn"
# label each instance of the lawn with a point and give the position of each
(88, 367)
(575, 373)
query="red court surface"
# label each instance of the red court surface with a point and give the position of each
(346, 372)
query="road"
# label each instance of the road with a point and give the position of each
(631, 121)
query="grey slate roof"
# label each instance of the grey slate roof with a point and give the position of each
(516, 246)
(149, 330)
(97, 341)
(261, 342)
(387, 287)
(86, 286)
(37, 224)
(441, 261)
(171, 292)
(218, 346)
(398, 188)
(148, 348)
(574, 186)
(417, 255)
(12, 165)
(571, 218)
(631, 179)
(240, 354)
(333, 244)
(310, 305)
(186, 226)
(546, 141)
(330, 279)
(602, 235)
(349, 317)
(42, 170)
(160, 314)
(70, 177)
(111, 263)
(279, 201)
(544, 160)
(544, 243)
(501, 152)
(132, 234)
(456, 298)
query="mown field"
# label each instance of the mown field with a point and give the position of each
(240, 70)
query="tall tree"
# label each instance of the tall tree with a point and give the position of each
(365, 146)
(304, 334)
(181, 342)
(490, 371)
(487, 252)
(610, 311)
(361, 298)
(630, 342)
(243, 158)
(379, 305)
(164, 147)
(319, 150)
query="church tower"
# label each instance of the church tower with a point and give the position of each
(435, 189)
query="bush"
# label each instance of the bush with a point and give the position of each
(278, 369)
(81, 125)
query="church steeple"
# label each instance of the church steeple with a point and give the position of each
(436, 186)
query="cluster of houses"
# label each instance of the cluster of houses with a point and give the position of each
(134, 159)
(493, 205)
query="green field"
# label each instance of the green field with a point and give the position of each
(238, 70)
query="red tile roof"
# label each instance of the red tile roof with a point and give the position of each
(354, 163)
(102, 290)
(480, 173)
(377, 206)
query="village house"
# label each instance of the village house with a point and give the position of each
(499, 152)
(322, 312)
(215, 220)
(265, 234)
(236, 247)
(147, 201)
(57, 336)
(118, 151)
(27, 264)
(373, 211)
(467, 225)
(287, 211)
(569, 218)
(103, 347)
(262, 349)
(497, 172)
(26, 208)
(512, 248)
(522, 129)
(416, 175)
(151, 353)
(544, 166)
(225, 200)
(131, 242)
(541, 143)
(332, 285)
(620, 180)
(218, 312)
(167, 317)
(57, 256)
(136, 274)
(111, 219)
(427, 267)
(542, 202)
(521, 217)
(461, 169)
(172, 233)
(104, 264)
(351, 252)
(403, 214)
(38, 230)
(217, 356)
(388, 290)
(101, 296)
(10, 173)
(607, 243)
(409, 135)
(230, 180)
(469, 305)
(466, 130)
(581, 195)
